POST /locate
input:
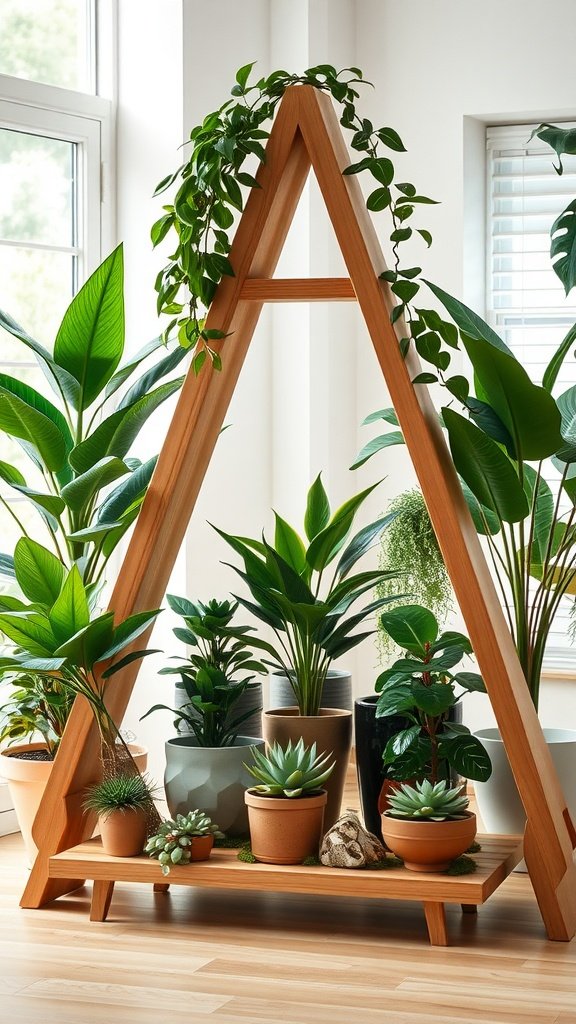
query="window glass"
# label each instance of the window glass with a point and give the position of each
(47, 41)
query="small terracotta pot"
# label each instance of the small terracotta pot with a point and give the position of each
(330, 730)
(201, 847)
(123, 832)
(428, 845)
(284, 830)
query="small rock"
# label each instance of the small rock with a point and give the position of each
(348, 845)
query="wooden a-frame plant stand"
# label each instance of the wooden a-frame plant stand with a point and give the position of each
(306, 133)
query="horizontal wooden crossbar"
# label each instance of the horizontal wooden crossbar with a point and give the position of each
(298, 289)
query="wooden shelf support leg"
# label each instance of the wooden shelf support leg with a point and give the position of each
(101, 897)
(469, 908)
(436, 922)
(161, 886)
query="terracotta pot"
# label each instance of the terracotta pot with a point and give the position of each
(330, 730)
(123, 832)
(284, 830)
(201, 847)
(428, 845)
(27, 781)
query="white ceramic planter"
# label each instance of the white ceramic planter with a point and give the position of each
(212, 779)
(499, 804)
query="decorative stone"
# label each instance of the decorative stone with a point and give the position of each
(348, 845)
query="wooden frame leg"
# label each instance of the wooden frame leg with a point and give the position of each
(469, 908)
(161, 886)
(436, 922)
(101, 897)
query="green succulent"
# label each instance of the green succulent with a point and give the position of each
(290, 771)
(428, 801)
(122, 792)
(171, 844)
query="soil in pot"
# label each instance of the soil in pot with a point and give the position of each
(428, 845)
(330, 730)
(123, 832)
(284, 831)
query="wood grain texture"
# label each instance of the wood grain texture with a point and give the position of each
(294, 289)
(435, 914)
(258, 958)
(307, 131)
(101, 897)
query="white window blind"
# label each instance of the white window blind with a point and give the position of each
(525, 299)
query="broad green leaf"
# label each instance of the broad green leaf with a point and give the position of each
(528, 412)
(33, 637)
(554, 366)
(124, 372)
(290, 546)
(467, 320)
(62, 382)
(116, 434)
(11, 475)
(471, 681)
(542, 511)
(411, 627)
(287, 581)
(145, 384)
(18, 419)
(486, 469)
(399, 744)
(129, 630)
(485, 520)
(562, 140)
(567, 410)
(122, 497)
(317, 514)
(39, 573)
(328, 542)
(181, 605)
(361, 543)
(377, 444)
(434, 699)
(124, 662)
(394, 700)
(37, 401)
(451, 639)
(467, 755)
(78, 493)
(85, 647)
(388, 415)
(563, 246)
(483, 416)
(70, 612)
(335, 649)
(92, 533)
(50, 503)
(90, 339)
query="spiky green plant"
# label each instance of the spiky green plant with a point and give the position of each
(290, 771)
(409, 548)
(427, 801)
(120, 792)
(172, 843)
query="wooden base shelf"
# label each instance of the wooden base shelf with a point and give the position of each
(499, 855)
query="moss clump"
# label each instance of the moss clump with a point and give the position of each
(382, 865)
(462, 866)
(231, 842)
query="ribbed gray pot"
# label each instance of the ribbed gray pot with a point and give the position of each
(251, 700)
(212, 779)
(336, 692)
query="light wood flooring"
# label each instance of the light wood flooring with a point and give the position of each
(239, 958)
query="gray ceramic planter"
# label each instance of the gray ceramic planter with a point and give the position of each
(251, 700)
(336, 692)
(212, 779)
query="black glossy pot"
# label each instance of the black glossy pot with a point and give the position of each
(371, 736)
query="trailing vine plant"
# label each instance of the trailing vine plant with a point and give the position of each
(212, 183)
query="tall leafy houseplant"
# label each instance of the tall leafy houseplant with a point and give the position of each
(84, 485)
(511, 437)
(303, 590)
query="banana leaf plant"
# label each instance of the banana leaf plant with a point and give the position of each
(422, 687)
(82, 482)
(511, 439)
(303, 590)
(57, 638)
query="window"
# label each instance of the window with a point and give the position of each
(54, 226)
(525, 299)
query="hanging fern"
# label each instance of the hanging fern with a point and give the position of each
(409, 546)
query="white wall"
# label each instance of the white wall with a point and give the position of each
(310, 376)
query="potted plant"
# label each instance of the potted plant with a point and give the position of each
(82, 484)
(59, 640)
(428, 825)
(188, 838)
(205, 768)
(307, 612)
(286, 808)
(421, 686)
(123, 804)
